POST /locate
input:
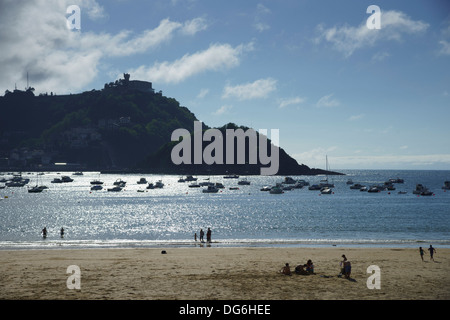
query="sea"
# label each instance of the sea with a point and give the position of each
(243, 216)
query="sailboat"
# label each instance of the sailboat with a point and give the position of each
(36, 188)
(324, 183)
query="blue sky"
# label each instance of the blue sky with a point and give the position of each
(312, 69)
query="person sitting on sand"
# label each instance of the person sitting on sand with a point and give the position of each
(286, 270)
(300, 269)
(309, 267)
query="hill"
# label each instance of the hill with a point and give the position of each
(126, 126)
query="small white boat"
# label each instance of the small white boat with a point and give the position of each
(66, 179)
(356, 186)
(276, 190)
(231, 176)
(210, 189)
(142, 181)
(194, 185)
(120, 182)
(289, 180)
(244, 182)
(115, 189)
(419, 189)
(35, 189)
(159, 184)
(265, 188)
(374, 189)
(349, 181)
(326, 190)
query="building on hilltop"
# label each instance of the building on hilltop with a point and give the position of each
(143, 86)
(138, 85)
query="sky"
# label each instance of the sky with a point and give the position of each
(332, 84)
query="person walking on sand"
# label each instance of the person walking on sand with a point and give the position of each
(208, 235)
(432, 251)
(201, 235)
(421, 252)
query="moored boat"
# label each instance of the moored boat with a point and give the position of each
(210, 189)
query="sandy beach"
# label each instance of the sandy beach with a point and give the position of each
(211, 273)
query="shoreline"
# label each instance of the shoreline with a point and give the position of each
(58, 244)
(222, 273)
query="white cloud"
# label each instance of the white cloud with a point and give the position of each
(327, 101)
(356, 117)
(258, 89)
(216, 57)
(123, 44)
(202, 93)
(380, 56)
(193, 26)
(94, 10)
(259, 22)
(348, 39)
(435, 161)
(445, 47)
(290, 101)
(34, 39)
(222, 110)
(316, 157)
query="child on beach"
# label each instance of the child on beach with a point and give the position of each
(309, 267)
(286, 270)
(432, 251)
(421, 252)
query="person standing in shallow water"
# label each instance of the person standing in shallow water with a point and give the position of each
(44, 232)
(62, 233)
(208, 235)
(201, 235)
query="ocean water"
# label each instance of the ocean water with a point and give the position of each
(246, 217)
